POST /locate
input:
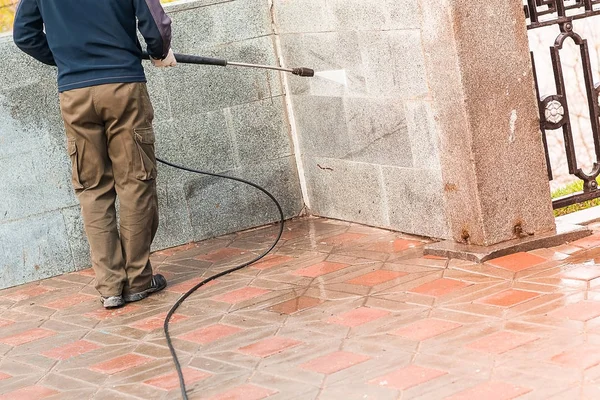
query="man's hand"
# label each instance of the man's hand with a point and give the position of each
(168, 61)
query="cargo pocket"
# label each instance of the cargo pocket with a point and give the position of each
(144, 160)
(72, 149)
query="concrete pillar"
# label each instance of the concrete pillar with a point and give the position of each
(491, 153)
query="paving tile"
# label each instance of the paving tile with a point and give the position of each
(240, 295)
(189, 284)
(582, 357)
(396, 246)
(334, 362)
(170, 381)
(71, 350)
(272, 260)
(210, 334)
(120, 364)
(407, 377)
(588, 242)
(156, 322)
(322, 268)
(426, 329)
(509, 298)
(357, 317)
(343, 238)
(221, 254)
(5, 322)
(583, 273)
(4, 376)
(517, 262)
(28, 293)
(269, 346)
(244, 392)
(87, 272)
(491, 391)
(27, 336)
(295, 305)
(29, 393)
(104, 314)
(440, 287)
(376, 278)
(69, 301)
(501, 342)
(582, 311)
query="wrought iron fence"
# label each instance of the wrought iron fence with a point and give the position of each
(554, 108)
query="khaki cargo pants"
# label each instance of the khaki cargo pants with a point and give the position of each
(111, 144)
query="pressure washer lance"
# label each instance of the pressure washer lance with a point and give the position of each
(187, 59)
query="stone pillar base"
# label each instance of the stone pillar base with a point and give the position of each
(450, 249)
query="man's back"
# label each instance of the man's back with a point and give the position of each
(92, 41)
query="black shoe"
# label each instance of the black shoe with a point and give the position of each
(157, 284)
(112, 301)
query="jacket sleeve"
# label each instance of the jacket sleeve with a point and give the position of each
(28, 32)
(155, 26)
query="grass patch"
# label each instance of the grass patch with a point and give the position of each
(573, 188)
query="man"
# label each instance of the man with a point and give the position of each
(108, 120)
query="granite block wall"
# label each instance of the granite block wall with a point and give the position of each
(369, 149)
(224, 120)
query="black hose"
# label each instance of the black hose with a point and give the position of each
(204, 282)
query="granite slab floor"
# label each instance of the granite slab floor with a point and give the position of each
(338, 311)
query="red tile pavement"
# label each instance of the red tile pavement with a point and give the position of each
(407, 377)
(588, 242)
(268, 347)
(27, 293)
(71, 350)
(120, 364)
(584, 273)
(27, 336)
(319, 269)
(426, 329)
(357, 317)
(582, 311)
(69, 301)
(271, 261)
(582, 357)
(103, 314)
(509, 298)
(432, 329)
(5, 322)
(29, 393)
(156, 322)
(491, 391)
(170, 381)
(210, 334)
(376, 278)
(440, 287)
(517, 262)
(239, 295)
(244, 392)
(334, 362)
(187, 285)
(221, 254)
(295, 305)
(501, 342)
(343, 238)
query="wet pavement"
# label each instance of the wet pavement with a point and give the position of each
(338, 311)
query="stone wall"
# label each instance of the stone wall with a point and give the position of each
(369, 149)
(217, 119)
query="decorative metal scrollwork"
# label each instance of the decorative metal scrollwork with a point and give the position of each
(554, 109)
(550, 12)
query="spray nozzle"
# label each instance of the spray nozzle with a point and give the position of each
(307, 72)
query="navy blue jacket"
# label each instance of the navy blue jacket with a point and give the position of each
(92, 42)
